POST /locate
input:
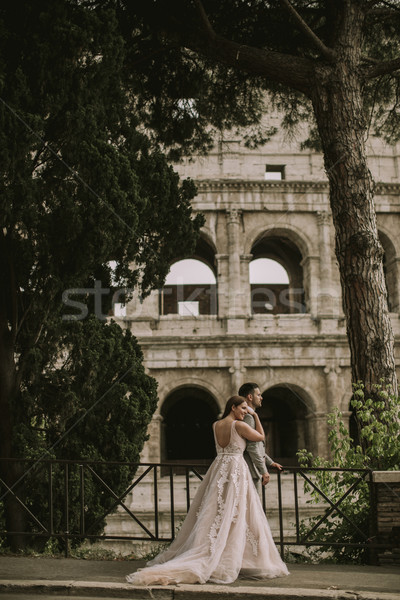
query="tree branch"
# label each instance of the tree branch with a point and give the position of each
(204, 19)
(382, 68)
(328, 53)
(287, 69)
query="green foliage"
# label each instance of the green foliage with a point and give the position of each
(377, 448)
(99, 394)
(95, 406)
(82, 185)
(163, 38)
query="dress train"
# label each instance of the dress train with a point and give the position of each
(225, 533)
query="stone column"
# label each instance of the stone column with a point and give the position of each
(234, 303)
(152, 449)
(245, 260)
(235, 322)
(332, 378)
(222, 284)
(325, 295)
(301, 434)
(319, 433)
(310, 279)
(238, 376)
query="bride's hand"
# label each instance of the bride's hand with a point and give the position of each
(250, 410)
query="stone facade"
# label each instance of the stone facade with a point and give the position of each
(299, 354)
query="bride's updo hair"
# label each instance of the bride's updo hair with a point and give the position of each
(233, 401)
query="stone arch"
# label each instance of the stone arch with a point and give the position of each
(391, 270)
(286, 414)
(193, 298)
(206, 238)
(205, 251)
(188, 412)
(190, 381)
(295, 235)
(287, 248)
(390, 235)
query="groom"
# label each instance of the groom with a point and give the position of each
(254, 454)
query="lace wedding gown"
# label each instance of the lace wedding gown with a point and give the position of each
(225, 533)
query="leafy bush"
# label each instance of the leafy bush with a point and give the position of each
(376, 447)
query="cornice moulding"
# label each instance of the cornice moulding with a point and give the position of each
(218, 185)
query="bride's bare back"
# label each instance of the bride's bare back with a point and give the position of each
(223, 432)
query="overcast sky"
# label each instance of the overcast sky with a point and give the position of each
(262, 270)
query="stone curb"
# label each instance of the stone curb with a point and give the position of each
(182, 592)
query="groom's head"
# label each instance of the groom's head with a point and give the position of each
(251, 393)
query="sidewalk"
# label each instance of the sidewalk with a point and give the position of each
(62, 577)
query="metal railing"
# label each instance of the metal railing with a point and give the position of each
(52, 495)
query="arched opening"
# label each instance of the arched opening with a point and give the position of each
(276, 277)
(269, 283)
(390, 269)
(283, 416)
(187, 436)
(191, 286)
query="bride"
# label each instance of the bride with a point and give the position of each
(225, 533)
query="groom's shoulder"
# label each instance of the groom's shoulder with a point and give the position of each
(249, 419)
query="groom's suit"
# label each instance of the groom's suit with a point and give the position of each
(255, 456)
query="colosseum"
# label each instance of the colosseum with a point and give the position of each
(259, 300)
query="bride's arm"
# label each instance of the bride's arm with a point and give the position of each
(247, 432)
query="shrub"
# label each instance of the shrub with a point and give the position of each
(376, 447)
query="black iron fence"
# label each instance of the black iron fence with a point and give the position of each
(55, 499)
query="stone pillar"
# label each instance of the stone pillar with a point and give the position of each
(235, 289)
(386, 489)
(301, 434)
(245, 260)
(152, 449)
(222, 284)
(325, 295)
(310, 265)
(318, 433)
(332, 377)
(236, 316)
(238, 377)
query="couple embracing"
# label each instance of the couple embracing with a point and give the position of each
(225, 533)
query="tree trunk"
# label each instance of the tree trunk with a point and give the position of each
(339, 113)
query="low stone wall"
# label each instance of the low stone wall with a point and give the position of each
(387, 494)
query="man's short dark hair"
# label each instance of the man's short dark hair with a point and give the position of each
(247, 388)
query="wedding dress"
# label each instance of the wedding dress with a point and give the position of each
(225, 533)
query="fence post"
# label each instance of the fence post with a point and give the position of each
(387, 493)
